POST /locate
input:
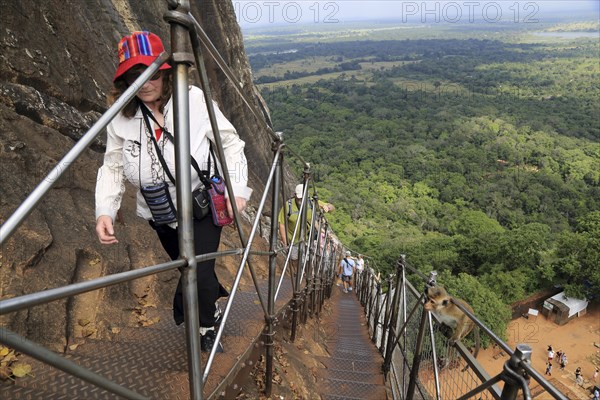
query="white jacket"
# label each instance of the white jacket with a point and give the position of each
(131, 154)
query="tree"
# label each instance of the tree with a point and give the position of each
(474, 224)
(476, 239)
(510, 286)
(522, 247)
(578, 258)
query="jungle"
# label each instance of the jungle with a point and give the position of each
(475, 152)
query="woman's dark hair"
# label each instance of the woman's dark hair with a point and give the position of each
(130, 109)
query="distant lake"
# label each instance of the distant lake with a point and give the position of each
(568, 35)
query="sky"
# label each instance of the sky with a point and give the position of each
(261, 13)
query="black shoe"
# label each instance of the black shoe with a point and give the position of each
(207, 341)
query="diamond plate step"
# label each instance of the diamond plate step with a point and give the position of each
(149, 360)
(353, 389)
(334, 397)
(358, 376)
(350, 365)
(353, 371)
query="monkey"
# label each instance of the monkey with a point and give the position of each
(441, 305)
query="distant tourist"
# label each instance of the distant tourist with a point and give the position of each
(549, 369)
(346, 271)
(578, 377)
(563, 361)
(290, 211)
(550, 354)
(360, 264)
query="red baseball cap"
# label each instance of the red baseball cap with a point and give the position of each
(140, 47)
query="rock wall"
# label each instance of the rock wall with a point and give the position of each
(57, 59)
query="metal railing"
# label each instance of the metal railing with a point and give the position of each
(418, 359)
(311, 279)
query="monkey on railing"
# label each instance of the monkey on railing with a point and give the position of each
(441, 304)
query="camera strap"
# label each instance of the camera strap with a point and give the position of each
(201, 174)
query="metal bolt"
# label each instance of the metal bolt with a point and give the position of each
(522, 353)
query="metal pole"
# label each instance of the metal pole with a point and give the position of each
(514, 372)
(323, 271)
(310, 279)
(393, 320)
(369, 296)
(318, 275)
(414, 372)
(332, 272)
(388, 311)
(364, 282)
(272, 272)
(301, 244)
(485, 385)
(321, 265)
(304, 249)
(203, 76)
(185, 224)
(295, 279)
(240, 270)
(436, 375)
(377, 314)
(315, 258)
(405, 319)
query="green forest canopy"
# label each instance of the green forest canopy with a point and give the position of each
(478, 157)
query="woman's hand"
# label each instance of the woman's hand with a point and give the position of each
(240, 203)
(105, 230)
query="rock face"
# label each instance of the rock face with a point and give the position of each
(57, 59)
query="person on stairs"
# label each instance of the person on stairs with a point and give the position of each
(140, 148)
(346, 270)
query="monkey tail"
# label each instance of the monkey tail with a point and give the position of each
(477, 341)
(477, 346)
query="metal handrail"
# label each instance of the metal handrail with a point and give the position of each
(46, 296)
(519, 360)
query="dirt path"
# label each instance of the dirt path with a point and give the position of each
(577, 339)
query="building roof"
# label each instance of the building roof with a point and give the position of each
(574, 305)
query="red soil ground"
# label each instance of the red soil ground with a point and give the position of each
(579, 339)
